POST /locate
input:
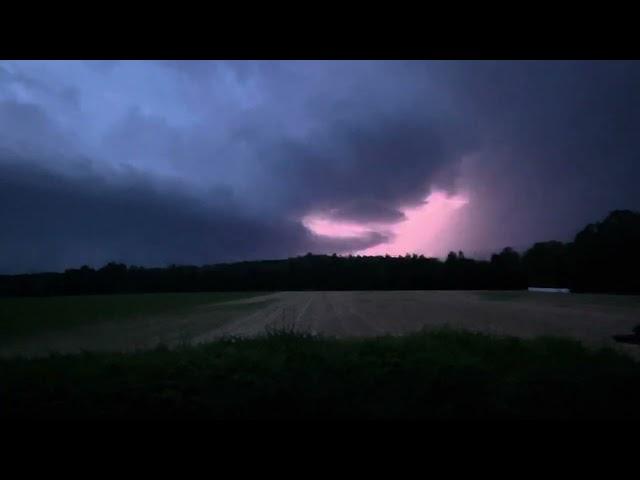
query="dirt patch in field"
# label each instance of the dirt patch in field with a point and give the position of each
(591, 319)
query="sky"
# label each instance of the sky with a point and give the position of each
(198, 162)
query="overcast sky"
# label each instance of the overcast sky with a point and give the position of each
(191, 162)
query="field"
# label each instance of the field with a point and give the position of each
(402, 355)
(98, 322)
(35, 326)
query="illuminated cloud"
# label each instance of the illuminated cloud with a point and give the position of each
(423, 230)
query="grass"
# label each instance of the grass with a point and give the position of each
(428, 375)
(562, 299)
(20, 317)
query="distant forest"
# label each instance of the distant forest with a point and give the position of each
(603, 257)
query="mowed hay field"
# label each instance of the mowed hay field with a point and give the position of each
(38, 326)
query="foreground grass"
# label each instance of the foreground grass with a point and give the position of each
(436, 375)
(20, 317)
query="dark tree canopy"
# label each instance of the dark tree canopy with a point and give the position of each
(603, 257)
(546, 264)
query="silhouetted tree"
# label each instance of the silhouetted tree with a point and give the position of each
(604, 256)
(546, 264)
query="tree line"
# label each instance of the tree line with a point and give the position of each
(603, 257)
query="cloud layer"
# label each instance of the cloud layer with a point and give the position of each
(199, 162)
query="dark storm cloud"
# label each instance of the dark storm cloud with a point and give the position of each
(560, 146)
(26, 127)
(368, 211)
(377, 141)
(59, 209)
(199, 162)
(51, 221)
(366, 171)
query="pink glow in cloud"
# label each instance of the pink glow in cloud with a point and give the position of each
(423, 231)
(323, 225)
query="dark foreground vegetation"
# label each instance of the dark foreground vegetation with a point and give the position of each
(604, 257)
(436, 375)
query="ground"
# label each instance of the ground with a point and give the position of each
(450, 355)
(129, 322)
